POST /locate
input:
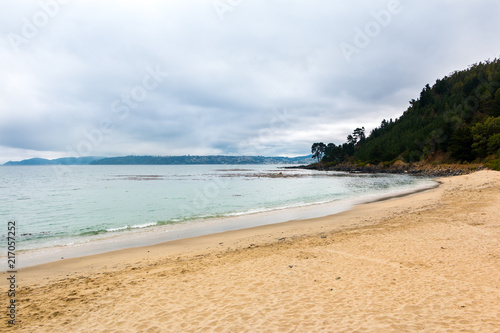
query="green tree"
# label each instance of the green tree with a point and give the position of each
(359, 135)
(334, 154)
(481, 134)
(496, 103)
(318, 150)
(375, 156)
(461, 144)
(494, 144)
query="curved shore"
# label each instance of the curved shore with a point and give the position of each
(168, 233)
(426, 262)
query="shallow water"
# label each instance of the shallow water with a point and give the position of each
(56, 206)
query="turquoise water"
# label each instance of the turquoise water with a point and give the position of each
(59, 206)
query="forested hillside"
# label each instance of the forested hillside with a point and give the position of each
(455, 120)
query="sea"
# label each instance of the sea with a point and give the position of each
(69, 211)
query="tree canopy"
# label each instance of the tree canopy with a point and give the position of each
(318, 150)
(457, 119)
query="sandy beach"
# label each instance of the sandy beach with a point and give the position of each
(428, 262)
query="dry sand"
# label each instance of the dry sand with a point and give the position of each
(429, 262)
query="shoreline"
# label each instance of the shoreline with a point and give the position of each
(414, 169)
(426, 262)
(131, 239)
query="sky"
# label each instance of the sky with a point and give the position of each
(228, 77)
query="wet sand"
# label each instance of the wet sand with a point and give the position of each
(427, 262)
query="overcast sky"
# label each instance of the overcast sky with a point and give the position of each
(231, 77)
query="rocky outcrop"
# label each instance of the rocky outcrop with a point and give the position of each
(424, 170)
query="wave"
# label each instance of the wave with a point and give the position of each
(100, 231)
(195, 218)
(136, 226)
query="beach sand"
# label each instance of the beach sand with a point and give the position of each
(428, 262)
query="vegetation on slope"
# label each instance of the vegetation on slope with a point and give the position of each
(455, 120)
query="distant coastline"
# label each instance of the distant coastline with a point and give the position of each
(58, 161)
(164, 160)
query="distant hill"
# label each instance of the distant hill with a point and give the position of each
(455, 120)
(144, 160)
(212, 159)
(58, 161)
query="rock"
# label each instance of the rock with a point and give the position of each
(399, 167)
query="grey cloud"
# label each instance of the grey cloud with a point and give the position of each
(227, 78)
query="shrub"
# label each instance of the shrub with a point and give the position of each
(494, 164)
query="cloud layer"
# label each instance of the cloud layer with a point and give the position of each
(221, 77)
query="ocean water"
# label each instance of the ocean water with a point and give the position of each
(57, 206)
